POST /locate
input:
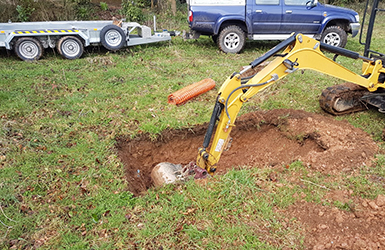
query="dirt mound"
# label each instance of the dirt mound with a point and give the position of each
(265, 138)
(331, 228)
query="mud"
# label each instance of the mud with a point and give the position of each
(260, 139)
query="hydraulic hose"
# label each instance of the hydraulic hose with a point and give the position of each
(274, 77)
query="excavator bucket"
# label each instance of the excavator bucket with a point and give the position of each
(167, 173)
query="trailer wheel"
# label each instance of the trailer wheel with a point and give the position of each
(70, 47)
(112, 37)
(28, 49)
(231, 39)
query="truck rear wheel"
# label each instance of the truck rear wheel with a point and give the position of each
(335, 36)
(70, 47)
(28, 49)
(231, 39)
(112, 37)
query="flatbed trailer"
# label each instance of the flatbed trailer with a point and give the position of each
(29, 39)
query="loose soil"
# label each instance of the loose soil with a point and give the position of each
(331, 228)
(278, 138)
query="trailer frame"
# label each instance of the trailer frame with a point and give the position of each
(29, 39)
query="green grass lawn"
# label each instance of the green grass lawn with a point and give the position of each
(62, 185)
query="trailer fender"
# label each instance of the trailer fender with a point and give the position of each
(112, 37)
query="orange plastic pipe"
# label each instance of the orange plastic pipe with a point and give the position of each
(183, 95)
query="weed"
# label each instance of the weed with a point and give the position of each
(24, 13)
(347, 206)
(104, 6)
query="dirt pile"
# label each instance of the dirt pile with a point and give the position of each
(332, 228)
(265, 138)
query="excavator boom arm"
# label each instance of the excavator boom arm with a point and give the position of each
(299, 52)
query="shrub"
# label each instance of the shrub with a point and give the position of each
(24, 13)
(103, 6)
(132, 10)
(45, 10)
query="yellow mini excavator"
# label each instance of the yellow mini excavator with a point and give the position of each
(297, 52)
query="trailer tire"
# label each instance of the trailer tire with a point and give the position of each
(28, 49)
(112, 37)
(70, 47)
(231, 39)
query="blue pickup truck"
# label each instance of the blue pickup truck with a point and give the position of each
(230, 22)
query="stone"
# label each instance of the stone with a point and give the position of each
(380, 201)
(373, 205)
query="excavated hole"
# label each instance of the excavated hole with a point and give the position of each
(260, 139)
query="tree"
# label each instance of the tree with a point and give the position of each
(167, 4)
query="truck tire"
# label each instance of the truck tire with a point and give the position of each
(334, 35)
(70, 47)
(112, 37)
(28, 49)
(231, 39)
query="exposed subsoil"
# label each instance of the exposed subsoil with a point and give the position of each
(265, 138)
(277, 138)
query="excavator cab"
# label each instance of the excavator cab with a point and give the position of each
(297, 52)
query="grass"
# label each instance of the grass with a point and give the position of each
(62, 185)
